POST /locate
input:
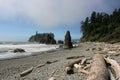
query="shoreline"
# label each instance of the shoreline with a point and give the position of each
(7, 51)
(32, 54)
(10, 69)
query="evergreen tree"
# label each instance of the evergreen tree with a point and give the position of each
(102, 27)
(93, 17)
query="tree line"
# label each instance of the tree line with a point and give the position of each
(102, 27)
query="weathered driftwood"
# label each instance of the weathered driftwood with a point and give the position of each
(111, 75)
(83, 61)
(69, 67)
(87, 66)
(115, 66)
(74, 57)
(80, 69)
(117, 54)
(49, 62)
(40, 65)
(98, 70)
(89, 60)
(26, 72)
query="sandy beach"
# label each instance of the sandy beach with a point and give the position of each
(10, 69)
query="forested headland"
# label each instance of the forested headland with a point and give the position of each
(46, 38)
(101, 27)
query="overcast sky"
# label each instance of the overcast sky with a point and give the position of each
(19, 19)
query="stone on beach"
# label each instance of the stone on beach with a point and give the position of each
(18, 50)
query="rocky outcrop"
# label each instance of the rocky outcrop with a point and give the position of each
(18, 50)
(46, 38)
(67, 40)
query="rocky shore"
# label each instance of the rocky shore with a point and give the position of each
(11, 69)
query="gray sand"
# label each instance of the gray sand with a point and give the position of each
(10, 69)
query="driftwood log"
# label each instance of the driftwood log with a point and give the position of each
(98, 70)
(111, 75)
(87, 66)
(74, 57)
(26, 72)
(40, 65)
(49, 62)
(69, 67)
(80, 69)
(115, 66)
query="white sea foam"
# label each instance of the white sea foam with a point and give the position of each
(6, 50)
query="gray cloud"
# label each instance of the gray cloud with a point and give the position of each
(49, 13)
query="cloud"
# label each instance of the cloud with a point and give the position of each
(49, 13)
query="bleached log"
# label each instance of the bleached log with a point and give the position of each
(98, 70)
(74, 57)
(83, 61)
(117, 54)
(89, 61)
(111, 75)
(40, 65)
(80, 69)
(115, 66)
(87, 66)
(69, 67)
(26, 72)
(49, 62)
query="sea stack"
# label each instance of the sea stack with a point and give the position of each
(67, 41)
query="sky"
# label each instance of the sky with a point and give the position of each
(19, 19)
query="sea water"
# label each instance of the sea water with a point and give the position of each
(6, 49)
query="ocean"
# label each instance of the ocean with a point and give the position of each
(6, 49)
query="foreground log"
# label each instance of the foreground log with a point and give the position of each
(74, 57)
(49, 62)
(83, 61)
(26, 72)
(115, 66)
(80, 69)
(111, 75)
(87, 66)
(70, 66)
(40, 65)
(98, 69)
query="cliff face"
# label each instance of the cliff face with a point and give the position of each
(46, 38)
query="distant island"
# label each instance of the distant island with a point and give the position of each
(46, 38)
(102, 27)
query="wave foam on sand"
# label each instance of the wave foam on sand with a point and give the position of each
(6, 50)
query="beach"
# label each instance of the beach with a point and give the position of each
(11, 69)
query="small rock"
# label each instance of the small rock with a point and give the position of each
(18, 50)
